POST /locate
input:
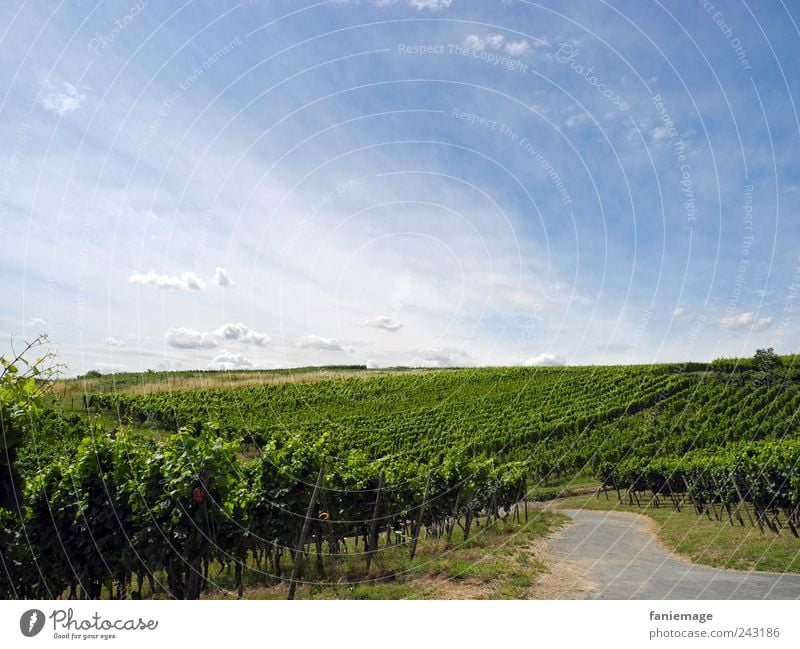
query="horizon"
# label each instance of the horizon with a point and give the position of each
(389, 368)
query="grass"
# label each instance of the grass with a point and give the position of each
(69, 392)
(708, 542)
(562, 487)
(496, 562)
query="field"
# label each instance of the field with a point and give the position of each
(170, 484)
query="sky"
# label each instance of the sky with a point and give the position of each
(278, 183)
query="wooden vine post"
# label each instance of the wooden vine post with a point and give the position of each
(372, 546)
(418, 522)
(451, 525)
(298, 555)
(743, 503)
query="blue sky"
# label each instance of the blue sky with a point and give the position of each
(424, 182)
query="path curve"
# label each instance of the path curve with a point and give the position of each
(619, 556)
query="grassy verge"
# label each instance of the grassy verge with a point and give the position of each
(708, 542)
(576, 485)
(501, 561)
(69, 392)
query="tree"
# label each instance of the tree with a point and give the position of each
(766, 360)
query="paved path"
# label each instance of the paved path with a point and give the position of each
(619, 556)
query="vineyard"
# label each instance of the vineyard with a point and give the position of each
(152, 489)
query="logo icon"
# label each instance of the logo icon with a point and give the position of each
(31, 622)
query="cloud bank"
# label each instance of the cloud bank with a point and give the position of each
(187, 338)
(383, 322)
(184, 281)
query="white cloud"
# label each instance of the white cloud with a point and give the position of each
(683, 315)
(383, 322)
(184, 281)
(113, 342)
(473, 42)
(36, 322)
(762, 323)
(380, 4)
(430, 4)
(517, 48)
(492, 41)
(372, 364)
(495, 41)
(545, 360)
(240, 332)
(222, 278)
(227, 361)
(443, 357)
(168, 366)
(745, 320)
(318, 342)
(577, 118)
(185, 338)
(660, 133)
(65, 102)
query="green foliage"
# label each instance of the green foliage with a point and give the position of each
(22, 384)
(766, 360)
(105, 512)
(506, 413)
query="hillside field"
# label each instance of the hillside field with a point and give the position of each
(140, 484)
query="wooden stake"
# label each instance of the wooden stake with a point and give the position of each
(372, 545)
(418, 522)
(744, 503)
(298, 555)
(688, 493)
(526, 504)
(451, 524)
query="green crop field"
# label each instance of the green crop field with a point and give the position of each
(152, 475)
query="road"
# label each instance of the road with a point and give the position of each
(617, 556)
